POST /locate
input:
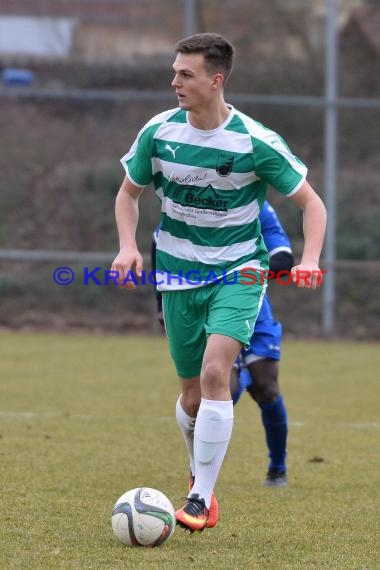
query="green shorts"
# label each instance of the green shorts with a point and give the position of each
(191, 315)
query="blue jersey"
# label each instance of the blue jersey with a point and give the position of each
(276, 240)
(273, 233)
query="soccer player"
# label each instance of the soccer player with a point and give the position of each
(211, 166)
(257, 368)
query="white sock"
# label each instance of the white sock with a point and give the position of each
(213, 429)
(186, 425)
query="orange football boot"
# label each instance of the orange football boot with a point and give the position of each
(213, 516)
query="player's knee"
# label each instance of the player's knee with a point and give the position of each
(265, 392)
(191, 396)
(190, 403)
(212, 377)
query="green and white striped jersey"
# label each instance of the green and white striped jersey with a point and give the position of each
(212, 185)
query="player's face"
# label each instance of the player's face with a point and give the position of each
(195, 87)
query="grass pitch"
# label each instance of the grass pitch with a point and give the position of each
(84, 418)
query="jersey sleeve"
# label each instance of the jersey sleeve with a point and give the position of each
(276, 164)
(138, 161)
(274, 235)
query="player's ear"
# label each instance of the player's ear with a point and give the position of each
(218, 81)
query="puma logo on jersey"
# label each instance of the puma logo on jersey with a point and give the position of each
(172, 150)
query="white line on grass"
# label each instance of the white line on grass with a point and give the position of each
(33, 415)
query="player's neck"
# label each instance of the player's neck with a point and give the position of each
(208, 118)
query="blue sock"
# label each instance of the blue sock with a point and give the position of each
(275, 421)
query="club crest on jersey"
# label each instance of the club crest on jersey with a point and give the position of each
(224, 164)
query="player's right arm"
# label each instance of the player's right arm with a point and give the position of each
(138, 166)
(127, 215)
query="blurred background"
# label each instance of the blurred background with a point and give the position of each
(79, 78)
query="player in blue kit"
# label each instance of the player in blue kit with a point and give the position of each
(258, 365)
(257, 369)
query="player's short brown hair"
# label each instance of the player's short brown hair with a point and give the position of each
(217, 51)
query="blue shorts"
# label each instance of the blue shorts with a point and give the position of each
(265, 342)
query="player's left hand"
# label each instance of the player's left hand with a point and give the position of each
(307, 275)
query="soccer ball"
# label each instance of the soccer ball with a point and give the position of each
(143, 517)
